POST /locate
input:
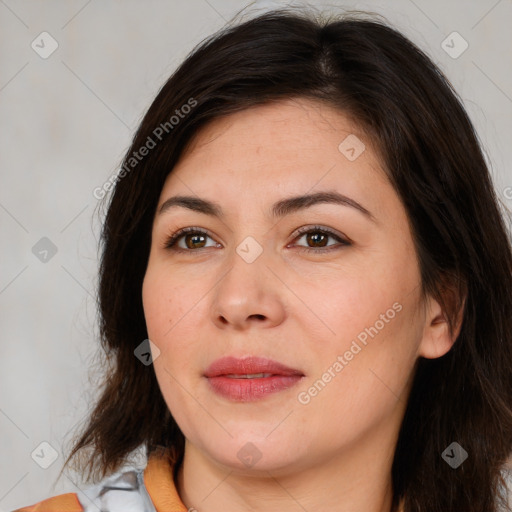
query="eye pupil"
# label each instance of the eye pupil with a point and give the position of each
(193, 237)
(315, 238)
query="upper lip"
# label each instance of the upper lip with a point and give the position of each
(247, 366)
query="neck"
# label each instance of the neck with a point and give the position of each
(355, 481)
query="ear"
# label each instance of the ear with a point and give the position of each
(437, 339)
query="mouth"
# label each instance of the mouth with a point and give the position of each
(251, 378)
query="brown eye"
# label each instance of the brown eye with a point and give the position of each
(317, 238)
(193, 239)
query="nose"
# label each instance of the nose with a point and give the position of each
(248, 294)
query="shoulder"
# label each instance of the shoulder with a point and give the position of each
(119, 492)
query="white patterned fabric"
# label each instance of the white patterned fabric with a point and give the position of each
(121, 492)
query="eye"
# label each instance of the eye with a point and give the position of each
(193, 238)
(196, 238)
(319, 236)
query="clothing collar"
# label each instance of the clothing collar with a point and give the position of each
(159, 482)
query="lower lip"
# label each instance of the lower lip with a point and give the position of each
(248, 390)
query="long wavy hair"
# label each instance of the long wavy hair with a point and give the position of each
(359, 64)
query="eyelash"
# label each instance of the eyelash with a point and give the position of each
(174, 238)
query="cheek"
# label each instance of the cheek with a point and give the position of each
(370, 319)
(162, 311)
(163, 304)
(171, 312)
(369, 382)
(362, 303)
(151, 300)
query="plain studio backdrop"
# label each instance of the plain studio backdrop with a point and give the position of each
(75, 79)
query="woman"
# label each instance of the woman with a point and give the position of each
(306, 230)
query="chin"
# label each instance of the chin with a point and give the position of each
(253, 457)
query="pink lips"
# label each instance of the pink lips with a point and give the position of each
(251, 378)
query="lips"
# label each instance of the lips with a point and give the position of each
(251, 378)
(248, 366)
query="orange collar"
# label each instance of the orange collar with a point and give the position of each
(159, 482)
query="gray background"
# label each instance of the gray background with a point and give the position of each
(66, 122)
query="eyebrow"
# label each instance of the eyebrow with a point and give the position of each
(279, 209)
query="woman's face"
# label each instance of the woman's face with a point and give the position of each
(335, 307)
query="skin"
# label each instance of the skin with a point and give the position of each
(303, 309)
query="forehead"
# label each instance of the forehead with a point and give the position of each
(292, 126)
(288, 147)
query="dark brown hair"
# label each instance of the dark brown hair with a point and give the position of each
(431, 153)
